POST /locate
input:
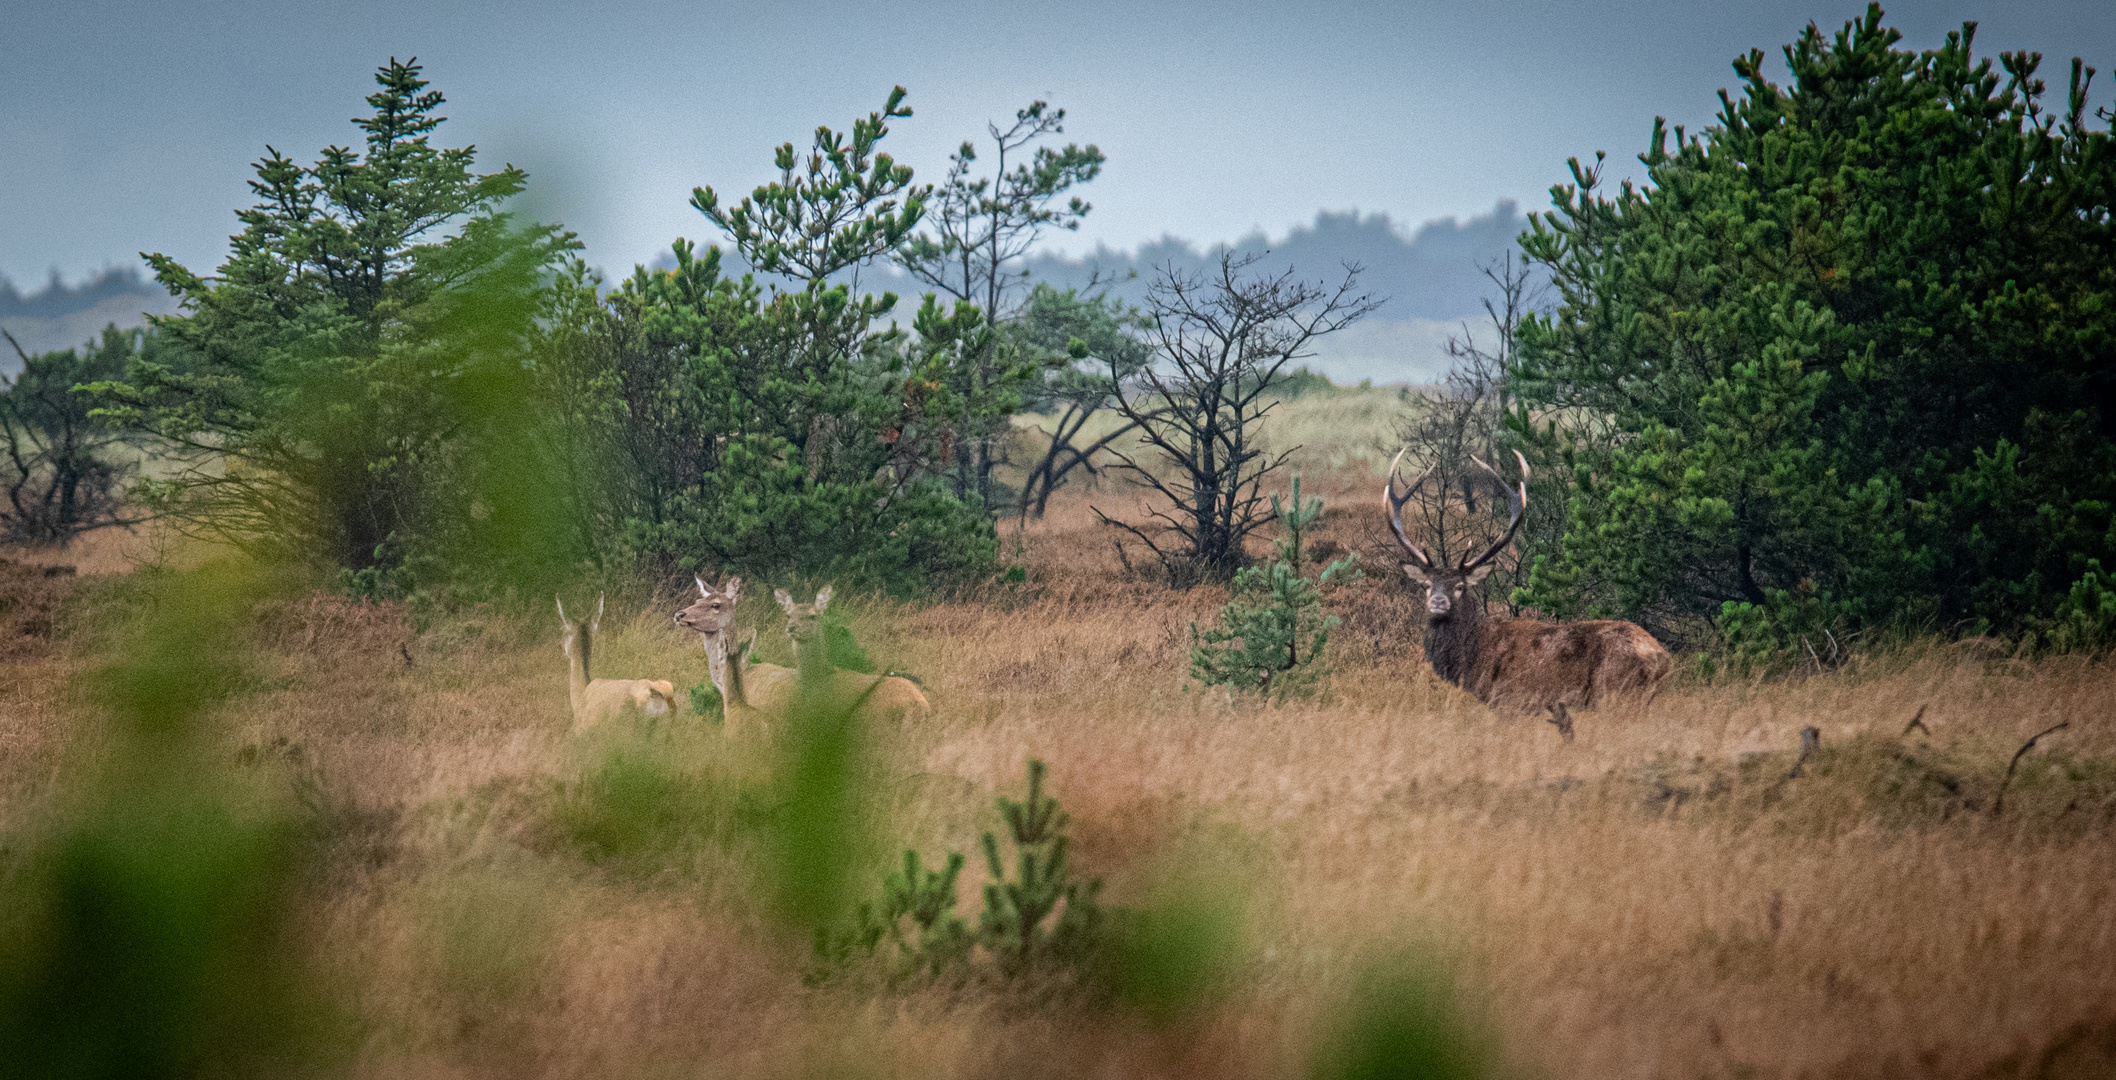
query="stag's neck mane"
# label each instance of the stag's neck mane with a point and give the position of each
(1453, 643)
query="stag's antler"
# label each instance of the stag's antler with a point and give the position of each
(1518, 496)
(1392, 508)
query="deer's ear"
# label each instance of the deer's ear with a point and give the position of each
(1417, 573)
(784, 598)
(822, 599)
(1479, 574)
(732, 588)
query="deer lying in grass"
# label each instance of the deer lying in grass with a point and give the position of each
(876, 697)
(1521, 665)
(598, 700)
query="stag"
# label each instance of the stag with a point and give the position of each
(1520, 665)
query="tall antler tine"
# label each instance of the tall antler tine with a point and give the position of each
(562, 611)
(1515, 494)
(1392, 508)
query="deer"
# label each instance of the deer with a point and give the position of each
(598, 700)
(884, 697)
(750, 694)
(1522, 664)
(765, 693)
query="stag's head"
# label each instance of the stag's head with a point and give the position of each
(712, 615)
(1446, 585)
(802, 624)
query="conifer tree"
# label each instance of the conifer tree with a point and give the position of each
(1847, 358)
(351, 347)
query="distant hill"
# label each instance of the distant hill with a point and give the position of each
(1431, 276)
(63, 316)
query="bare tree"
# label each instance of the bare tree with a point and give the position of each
(1221, 341)
(1094, 346)
(56, 467)
(1463, 419)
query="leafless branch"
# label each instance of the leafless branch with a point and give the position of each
(1999, 803)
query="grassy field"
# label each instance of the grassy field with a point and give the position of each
(1655, 899)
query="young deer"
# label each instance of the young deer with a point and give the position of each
(724, 663)
(1521, 665)
(597, 700)
(874, 697)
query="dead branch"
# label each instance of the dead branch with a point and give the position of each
(1999, 803)
(1810, 748)
(1917, 723)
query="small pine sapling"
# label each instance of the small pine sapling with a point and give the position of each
(1041, 919)
(1012, 925)
(1273, 630)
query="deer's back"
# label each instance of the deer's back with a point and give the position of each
(1531, 664)
(607, 699)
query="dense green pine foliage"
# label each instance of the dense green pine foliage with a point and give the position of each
(728, 424)
(1847, 359)
(346, 385)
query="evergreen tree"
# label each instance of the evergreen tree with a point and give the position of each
(720, 422)
(1848, 357)
(369, 326)
(1272, 632)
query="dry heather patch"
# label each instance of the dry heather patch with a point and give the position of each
(1657, 899)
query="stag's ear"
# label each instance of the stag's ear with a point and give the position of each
(785, 599)
(822, 599)
(1477, 575)
(703, 592)
(732, 588)
(1417, 573)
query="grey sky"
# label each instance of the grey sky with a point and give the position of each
(129, 126)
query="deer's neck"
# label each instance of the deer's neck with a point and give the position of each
(1454, 643)
(726, 673)
(577, 672)
(813, 662)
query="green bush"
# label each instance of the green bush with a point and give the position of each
(1037, 919)
(1844, 357)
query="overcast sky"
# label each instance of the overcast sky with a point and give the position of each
(130, 126)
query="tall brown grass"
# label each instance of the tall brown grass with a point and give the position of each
(1656, 899)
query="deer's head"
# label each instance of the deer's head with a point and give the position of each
(1446, 585)
(569, 633)
(712, 615)
(802, 624)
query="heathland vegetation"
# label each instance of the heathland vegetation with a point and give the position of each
(302, 773)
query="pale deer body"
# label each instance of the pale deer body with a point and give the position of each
(768, 693)
(1522, 665)
(889, 698)
(750, 694)
(596, 701)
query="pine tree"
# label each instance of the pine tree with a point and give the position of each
(1272, 632)
(1847, 359)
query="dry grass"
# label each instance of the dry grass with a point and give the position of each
(1653, 900)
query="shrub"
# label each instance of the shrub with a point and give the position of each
(1039, 920)
(1274, 629)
